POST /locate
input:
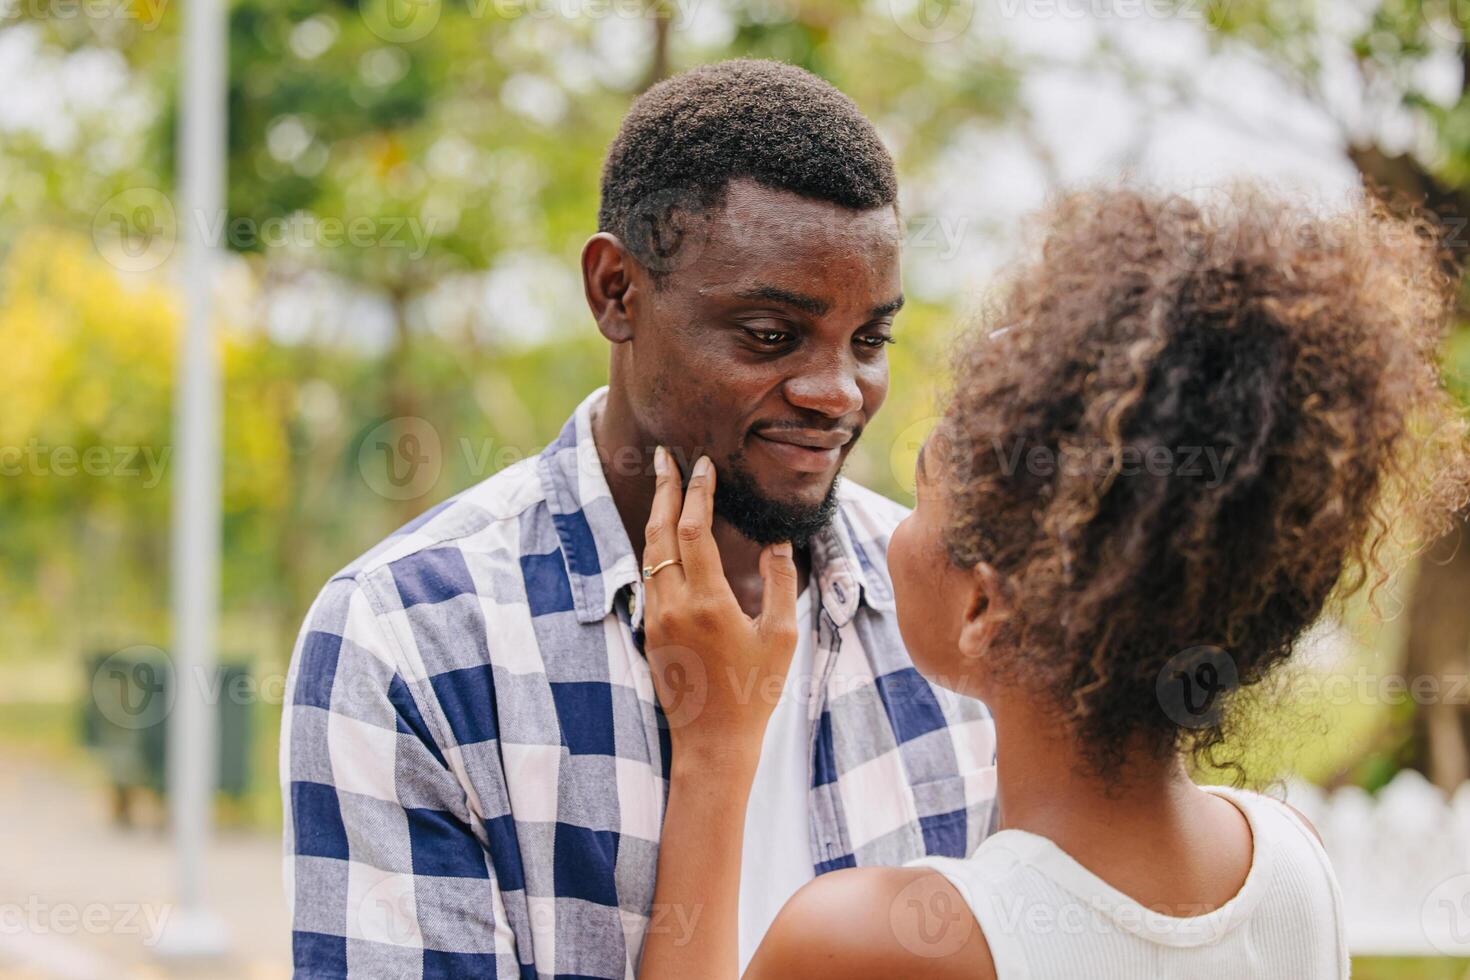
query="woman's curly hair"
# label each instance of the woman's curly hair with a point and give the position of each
(1187, 428)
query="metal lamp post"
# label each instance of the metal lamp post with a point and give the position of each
(193, 929)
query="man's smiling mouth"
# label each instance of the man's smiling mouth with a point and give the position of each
(805, 450)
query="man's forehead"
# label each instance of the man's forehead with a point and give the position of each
(752, 214)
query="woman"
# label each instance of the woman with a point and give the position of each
(1181, 446)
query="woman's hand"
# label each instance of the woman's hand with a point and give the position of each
(715, 668)
(718, 673)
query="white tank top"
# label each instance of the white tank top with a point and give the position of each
(1046, 917)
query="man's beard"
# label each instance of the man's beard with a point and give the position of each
(765, 521)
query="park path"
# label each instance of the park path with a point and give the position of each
(82, 899)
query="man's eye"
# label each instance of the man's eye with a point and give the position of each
(770, 338)
(876, 341)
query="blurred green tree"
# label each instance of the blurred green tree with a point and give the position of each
(387, 159)
(1367, 69)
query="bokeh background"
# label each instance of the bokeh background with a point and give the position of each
(399, 315)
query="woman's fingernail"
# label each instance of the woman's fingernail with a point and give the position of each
(660, 461)
(702, 467)
(781, 549)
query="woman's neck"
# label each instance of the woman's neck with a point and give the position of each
(1048, 786)
(1145, 828)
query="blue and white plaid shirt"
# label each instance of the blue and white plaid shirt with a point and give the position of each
(473, 761)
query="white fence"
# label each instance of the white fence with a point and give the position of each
(1403, 859)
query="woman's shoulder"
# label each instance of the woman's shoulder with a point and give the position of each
(874, 924)
(1259, 804)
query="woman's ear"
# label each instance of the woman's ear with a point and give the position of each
(608, 282)
(985, 611)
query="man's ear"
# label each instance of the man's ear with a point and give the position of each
(985, 610)
(608, 280)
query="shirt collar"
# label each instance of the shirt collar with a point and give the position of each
(599, 556)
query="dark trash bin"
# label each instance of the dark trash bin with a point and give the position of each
(130, 699)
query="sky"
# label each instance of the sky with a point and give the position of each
(1239, 120)
(1193, 117)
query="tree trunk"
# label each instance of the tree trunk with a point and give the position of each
(403, 397)
(1438, 645)
(658, 61)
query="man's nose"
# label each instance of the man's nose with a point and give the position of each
(829, 387)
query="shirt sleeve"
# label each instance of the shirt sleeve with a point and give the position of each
(387, 869)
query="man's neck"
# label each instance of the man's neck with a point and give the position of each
(615, 433)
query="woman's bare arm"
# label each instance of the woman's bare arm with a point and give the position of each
(697, 635)
(874, 924)
(695, 930)
(858, 924)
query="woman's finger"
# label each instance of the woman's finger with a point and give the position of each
(778, 596)
(660, 535)
(697, 547)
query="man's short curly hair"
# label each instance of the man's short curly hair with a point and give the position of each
(687, 137)
(1149, 332)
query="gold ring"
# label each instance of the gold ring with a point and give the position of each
(649, 571)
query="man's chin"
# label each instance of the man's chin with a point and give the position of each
(768, 516)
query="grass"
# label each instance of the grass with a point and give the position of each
(42, 729)
(50, 733)
(1409, 968)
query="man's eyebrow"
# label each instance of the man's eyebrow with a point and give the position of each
(801, 301)
(887, 309)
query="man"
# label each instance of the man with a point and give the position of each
(473, 757)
